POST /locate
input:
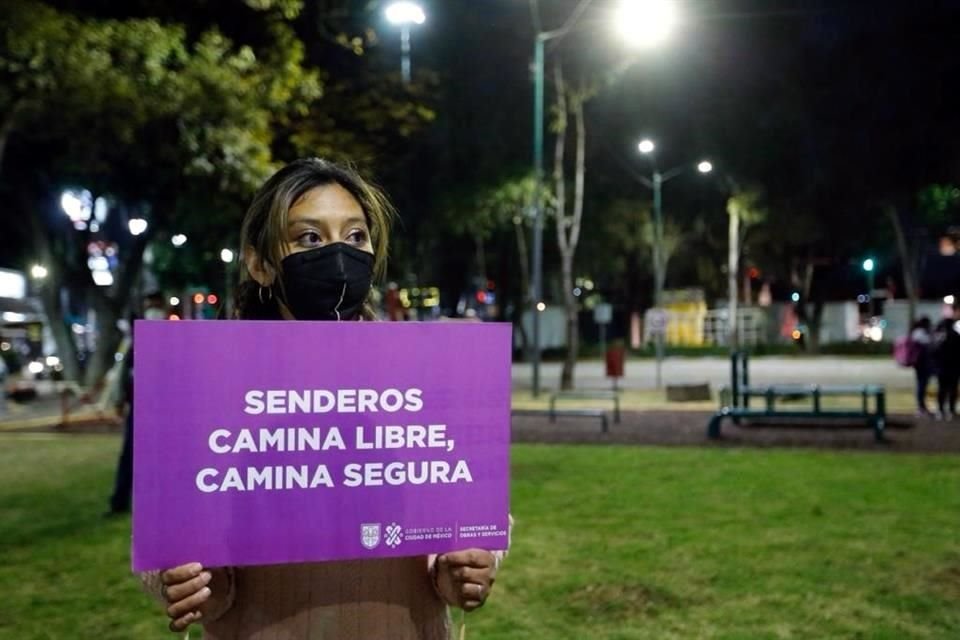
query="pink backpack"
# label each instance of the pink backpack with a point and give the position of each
(905, 351)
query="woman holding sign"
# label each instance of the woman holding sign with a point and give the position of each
(314, 239)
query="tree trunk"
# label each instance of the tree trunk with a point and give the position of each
(568, 227)
(906, 261)
(110, 309)
(481, 257)
(50, 289)
(108, 339)
(7, 125)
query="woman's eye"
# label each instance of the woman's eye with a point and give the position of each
(309, 239)
(357, 236)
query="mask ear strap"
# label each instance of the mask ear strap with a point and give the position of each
(269, 294)
(343, 294)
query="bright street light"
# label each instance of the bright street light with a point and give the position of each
(705, 167)
(226, 255)
(38, 272)
(646, 23)
(178, 240)
(137, 226)
(646, 146)
(868, 264)
(174, 301)
(404, 14)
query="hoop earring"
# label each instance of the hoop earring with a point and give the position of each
(269, 294)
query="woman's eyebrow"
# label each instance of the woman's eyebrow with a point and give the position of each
(322, 221)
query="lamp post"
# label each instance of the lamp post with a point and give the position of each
(404, 14)
(655, 183)
(226, 256)
(869, 267)
(643, 23)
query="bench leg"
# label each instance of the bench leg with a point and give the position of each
(605, 428)
(713, 427)
(879, 424)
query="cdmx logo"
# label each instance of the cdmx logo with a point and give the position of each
(394, 535)
(370, 535)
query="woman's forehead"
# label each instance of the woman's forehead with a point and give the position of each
(329, 203)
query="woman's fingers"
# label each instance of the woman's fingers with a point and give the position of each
(472, 595)
(188, 604)
(177, 592)
(181, 574)
(183, 622)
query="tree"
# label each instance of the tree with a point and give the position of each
(569, 103)
(195, 127)
(744, 208)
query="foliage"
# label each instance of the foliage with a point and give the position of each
(190, 118)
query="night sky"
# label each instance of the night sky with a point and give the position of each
(831, 107)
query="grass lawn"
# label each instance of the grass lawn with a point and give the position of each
(610, 543)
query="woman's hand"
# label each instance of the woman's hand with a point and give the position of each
(188, 590)
(466, 577)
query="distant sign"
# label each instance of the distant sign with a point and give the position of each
(603, 313)
(657, 321)
(13, 284)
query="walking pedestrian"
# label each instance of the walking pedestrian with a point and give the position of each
(153, 309)
(945, 347)
(922, 359)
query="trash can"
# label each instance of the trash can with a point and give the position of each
(615, 358)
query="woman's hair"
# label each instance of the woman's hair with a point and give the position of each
(922, 323)
(264, 227)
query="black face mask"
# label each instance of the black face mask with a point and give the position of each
(327, 283)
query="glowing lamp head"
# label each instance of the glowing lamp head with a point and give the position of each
(405, 13)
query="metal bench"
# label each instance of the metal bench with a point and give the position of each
(740, 392)
(597, 394)
(573, 413)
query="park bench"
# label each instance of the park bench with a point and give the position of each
(586, 394)
(552, 413)
(735, 401)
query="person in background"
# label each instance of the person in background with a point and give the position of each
(313, 240)
(153, 309)
(920, 339)
(945, 347)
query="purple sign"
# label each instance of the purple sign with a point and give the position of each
(280, 442)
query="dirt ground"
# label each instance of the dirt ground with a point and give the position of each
(904, 434)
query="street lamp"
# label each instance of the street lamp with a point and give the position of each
(38, 272)
(655, 183)
(646, 23)
(404, 14)
(178, 240)
(659, 23)
(227, 256)
(137, 226)
(869, 267)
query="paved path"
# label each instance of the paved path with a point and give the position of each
(688, 428)
(640, 373)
